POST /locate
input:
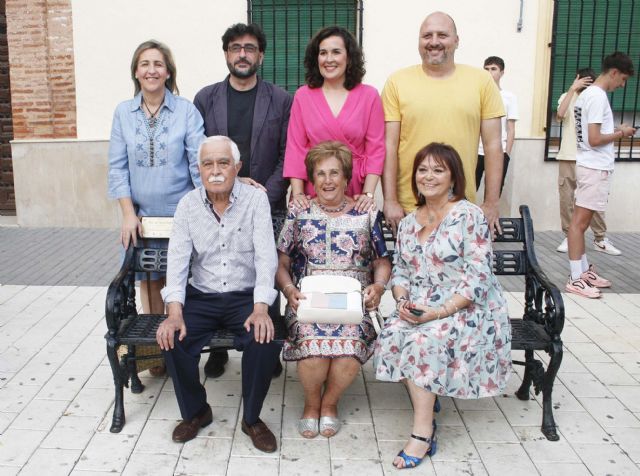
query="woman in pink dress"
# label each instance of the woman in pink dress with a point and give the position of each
(335, 105)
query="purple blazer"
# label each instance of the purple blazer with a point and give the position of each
(268, 136)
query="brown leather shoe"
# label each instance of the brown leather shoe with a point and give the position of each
(188, 429)
(261, 436)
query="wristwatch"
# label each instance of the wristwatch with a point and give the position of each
(369, 194)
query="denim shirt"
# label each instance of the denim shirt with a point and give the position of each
(155, 184)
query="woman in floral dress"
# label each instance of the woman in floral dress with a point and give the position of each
(450, 332)
(329, 237)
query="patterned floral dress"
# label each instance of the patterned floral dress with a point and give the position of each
(345, 245)
(468, 354)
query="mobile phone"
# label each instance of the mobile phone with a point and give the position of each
(416, 312)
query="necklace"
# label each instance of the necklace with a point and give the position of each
(152, 115)
(150, 124)
(431, 215)
(339, 208)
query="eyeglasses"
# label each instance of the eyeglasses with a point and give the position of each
(248, 48)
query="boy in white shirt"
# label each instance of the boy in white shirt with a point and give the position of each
(494, 65)
(595, 135)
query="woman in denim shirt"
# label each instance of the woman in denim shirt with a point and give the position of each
(152, 152)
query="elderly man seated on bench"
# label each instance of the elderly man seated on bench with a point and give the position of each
(225, 226)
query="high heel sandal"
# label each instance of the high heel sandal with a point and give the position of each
(413, 461)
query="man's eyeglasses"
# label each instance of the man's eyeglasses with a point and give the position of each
(248, 48)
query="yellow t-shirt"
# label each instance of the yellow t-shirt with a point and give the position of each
(439, 110)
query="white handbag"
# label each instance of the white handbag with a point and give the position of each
(330, 300)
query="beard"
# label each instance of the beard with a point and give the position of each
(439, 60)
(241, 73)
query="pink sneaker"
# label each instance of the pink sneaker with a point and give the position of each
(591, 277)
(582, 288)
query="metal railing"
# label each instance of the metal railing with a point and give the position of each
(290, 24)
(584, 32)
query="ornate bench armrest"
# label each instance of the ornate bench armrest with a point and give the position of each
(117, 302)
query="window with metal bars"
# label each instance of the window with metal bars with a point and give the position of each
(584, 32)
(290, 24)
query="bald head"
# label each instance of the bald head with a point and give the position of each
(442, 16)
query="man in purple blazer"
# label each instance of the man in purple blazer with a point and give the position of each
(255, 115)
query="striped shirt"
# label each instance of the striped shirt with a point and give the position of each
(235, 253)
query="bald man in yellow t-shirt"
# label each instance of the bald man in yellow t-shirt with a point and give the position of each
(440, 101)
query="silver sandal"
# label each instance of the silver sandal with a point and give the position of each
(309, 425)
(328, 423)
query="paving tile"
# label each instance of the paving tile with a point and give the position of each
(606, 459)
(372, 467)
(454, 444)
(393, 424)
(476, 404)
(388, 396)
(51, 462)
(14, 398)
(71, 433)
(6, 419)
(144, 464)
(580, 428)
(628, 395)
(498, 456)
(611, 374)
(456, 468)
(610, 413)
(299, 455)
(91, 402)
(570, 364)
(587, 352)
(156, 438)
(562, 469)
(223, 395)
(245, 466)
(520, 412)
(60, 387)
(629, 441)
(488, 425)
(9, 470)
(205, 456)
(102, 377)
(293, 394)
(107, 452)
(584, 385)
(541, 450)
(165, 408)
(40, 415)
(17, 446)
(223, 425)
(354, 409)
(354, 441)
(629, 361)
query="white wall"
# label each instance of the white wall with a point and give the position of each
(485, 27)
(106, 33)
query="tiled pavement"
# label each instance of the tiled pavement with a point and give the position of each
(56, 391)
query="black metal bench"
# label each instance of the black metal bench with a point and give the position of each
(127, 327)
(543, 318)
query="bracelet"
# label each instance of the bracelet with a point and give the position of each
(382, 283)
(437, 314)
(283, 289)
(454, 306)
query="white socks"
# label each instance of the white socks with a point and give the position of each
(579, 266)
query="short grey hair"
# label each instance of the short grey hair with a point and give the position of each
(235, 152)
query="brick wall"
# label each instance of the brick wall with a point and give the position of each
(40, 38)
(7, 196)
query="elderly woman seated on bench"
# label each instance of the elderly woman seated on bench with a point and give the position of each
(450, 333)
(225, 226)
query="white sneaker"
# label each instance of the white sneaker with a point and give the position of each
(606, 247)
(563, 247)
